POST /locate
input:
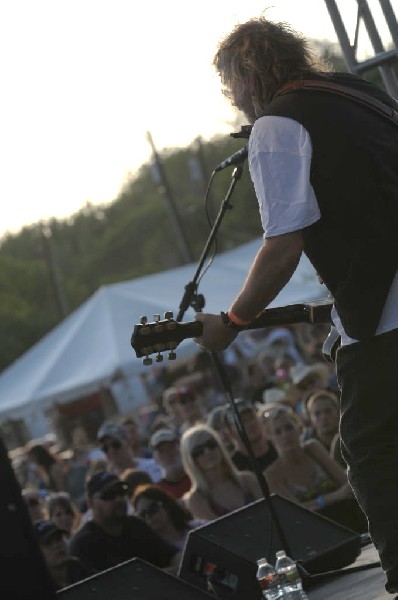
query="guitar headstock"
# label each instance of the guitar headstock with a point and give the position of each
(154, 338)
(161, 336)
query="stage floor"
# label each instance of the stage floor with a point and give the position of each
(367, 584)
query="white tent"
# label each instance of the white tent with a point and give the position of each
(87, 349)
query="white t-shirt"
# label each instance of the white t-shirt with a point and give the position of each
(280, 153)
(150, 466)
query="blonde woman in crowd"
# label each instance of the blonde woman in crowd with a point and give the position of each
(217, 486)
(305, 473)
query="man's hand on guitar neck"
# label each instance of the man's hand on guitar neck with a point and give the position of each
(215, 335)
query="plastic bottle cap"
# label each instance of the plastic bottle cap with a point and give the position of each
(261, 561)
(281, 554)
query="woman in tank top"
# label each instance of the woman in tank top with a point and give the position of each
(217, 486)
(305, 473)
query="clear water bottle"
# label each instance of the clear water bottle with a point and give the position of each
(289, 577)
(268, 580)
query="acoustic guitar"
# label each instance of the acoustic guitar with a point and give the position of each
(165, 335)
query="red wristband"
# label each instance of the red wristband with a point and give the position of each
(237, 320)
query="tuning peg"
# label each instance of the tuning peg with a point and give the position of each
(159, 358)
(168, 314)
(172, 355)
(143, 320)
(156, 318)
(147, 361)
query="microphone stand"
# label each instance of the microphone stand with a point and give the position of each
(191, 298)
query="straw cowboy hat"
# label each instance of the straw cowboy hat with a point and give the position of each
(301, 372)
(273, 395)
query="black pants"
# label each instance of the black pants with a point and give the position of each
(368, 377)
(347, 513)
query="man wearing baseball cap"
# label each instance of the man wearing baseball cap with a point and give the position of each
(113, 536)
(63, 568)
(166, 451)
(190, 406)
(113, 441)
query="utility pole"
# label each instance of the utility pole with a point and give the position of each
(200, 157)
(49, 258)
(382, 59)
(165, 189)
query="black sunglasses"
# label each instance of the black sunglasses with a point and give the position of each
(116, 491)
(151, 510)
(284, 429)
(114, 445)
(200, 448)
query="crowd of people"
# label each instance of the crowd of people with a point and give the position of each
(326, 186)
(145, 488)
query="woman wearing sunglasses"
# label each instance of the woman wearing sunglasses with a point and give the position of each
(164, 514)
(305, 473)
(217, 486)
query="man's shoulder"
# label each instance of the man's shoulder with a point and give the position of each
(135, 524)
(183, 483)
(89, 530)
(77, 570)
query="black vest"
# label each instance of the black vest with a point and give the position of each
(354, 173)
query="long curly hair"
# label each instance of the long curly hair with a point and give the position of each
(265, 55)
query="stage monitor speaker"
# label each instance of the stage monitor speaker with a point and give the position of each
(134, 579)
(229, 547)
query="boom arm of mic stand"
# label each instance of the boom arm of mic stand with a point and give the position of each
(191, 287)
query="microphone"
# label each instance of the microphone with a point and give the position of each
(234, 159)
(244, 132)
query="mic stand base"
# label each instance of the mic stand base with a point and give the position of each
(311, 580)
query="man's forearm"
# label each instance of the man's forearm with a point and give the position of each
(272, 268)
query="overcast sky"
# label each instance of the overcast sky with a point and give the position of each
(84, 80)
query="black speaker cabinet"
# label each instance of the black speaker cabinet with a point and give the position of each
(134, 579)
(229, 547)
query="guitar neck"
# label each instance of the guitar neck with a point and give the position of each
(310, 312)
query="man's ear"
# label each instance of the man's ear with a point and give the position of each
(89, 502)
